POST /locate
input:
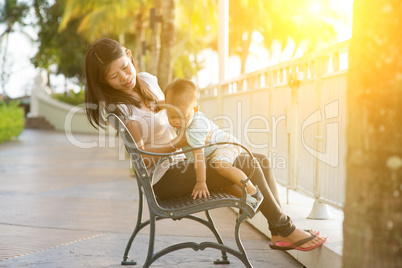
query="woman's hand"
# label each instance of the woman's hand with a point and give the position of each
(200, 190)
(180, 141)
(135, 131)
(157, 105)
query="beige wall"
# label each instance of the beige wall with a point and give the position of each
(62, 116)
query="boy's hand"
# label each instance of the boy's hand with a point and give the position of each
(200, 190)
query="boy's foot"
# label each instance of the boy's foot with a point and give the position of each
(255, 200)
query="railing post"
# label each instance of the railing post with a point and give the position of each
(223, 37)
(40, 84)
(219, 103)
(293, 79)
(223, 50)
(320, 210)
(269, 82)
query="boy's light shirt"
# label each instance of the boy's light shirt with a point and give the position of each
(155, 128)
(197, 133)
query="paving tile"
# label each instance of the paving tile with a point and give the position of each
(18, 241)
(64, 206)
(106, 251)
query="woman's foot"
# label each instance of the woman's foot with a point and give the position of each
(299, 235)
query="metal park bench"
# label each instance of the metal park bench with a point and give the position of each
(181, 207)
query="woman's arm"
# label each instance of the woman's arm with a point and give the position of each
(200, 189)
(157, 105)
(149, 160)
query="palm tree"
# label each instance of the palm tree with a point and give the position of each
(65, 50)
(168, 32)
(115, 19)
(277, 20)
(309, 22)
(154, 39)
(110, 18)
(245, 17)
(11, 13)
(196, 29)
(372, 227)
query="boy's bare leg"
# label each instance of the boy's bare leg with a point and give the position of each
(234, 174)
(234, 189)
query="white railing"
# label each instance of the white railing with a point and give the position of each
(294, 112)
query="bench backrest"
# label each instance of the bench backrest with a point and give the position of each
(131, 146)
(144, 179)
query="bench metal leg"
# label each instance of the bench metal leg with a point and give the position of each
(242, 217)
(240, 254)
(137, 228)
(151, 257)
(210, 224)
(212, 227)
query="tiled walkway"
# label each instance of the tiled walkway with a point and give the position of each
(65, 206)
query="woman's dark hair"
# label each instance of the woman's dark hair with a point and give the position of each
(99, 96)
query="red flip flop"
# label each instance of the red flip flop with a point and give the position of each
(289, 246)
(306, 230)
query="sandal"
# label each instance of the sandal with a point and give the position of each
(306, 230)
(289, 246)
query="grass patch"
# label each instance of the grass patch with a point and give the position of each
(11, 120)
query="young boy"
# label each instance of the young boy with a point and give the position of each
(184, 115)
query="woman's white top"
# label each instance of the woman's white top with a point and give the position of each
(156, 131)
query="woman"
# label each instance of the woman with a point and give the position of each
(114, 83)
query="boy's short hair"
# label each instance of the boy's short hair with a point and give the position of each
(181, 87)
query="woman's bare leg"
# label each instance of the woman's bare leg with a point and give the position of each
(281, 226)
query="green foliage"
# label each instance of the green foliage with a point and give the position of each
(11, 121)
(195, 29)
(66, 26)
(280, 21)
(13, 12)
(71, 97)
(65, 49)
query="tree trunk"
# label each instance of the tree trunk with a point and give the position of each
(373, 208)
(49, 82)
(139, 38)
(245, 52)
(5, 75)
(165, 68)
(154, 44)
